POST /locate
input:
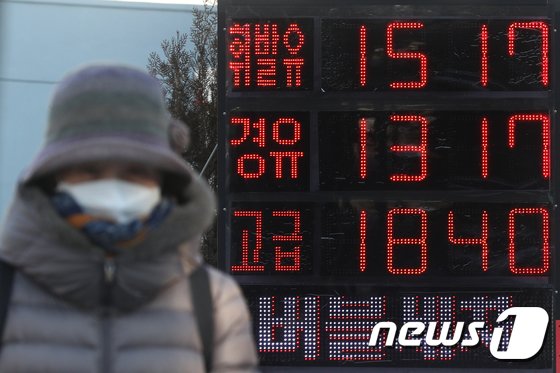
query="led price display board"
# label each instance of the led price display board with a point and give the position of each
(384, 162)
(367, 239)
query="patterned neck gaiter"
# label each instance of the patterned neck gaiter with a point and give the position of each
(107, 234)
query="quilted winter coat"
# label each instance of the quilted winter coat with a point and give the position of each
(56, 319)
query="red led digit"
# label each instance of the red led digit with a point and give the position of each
(293, 156)
(295, 254)
(545, 120)
(266, 39)
(241, 166)
(482, 241)
(422, 241)
(407, 55)
(241, 68)
(293, 41)
(296, 234)
(266, 43)
(266, 77)
(363, 56)
(484, 55)
(246, 122)
(296, 131)
(422, 148)
(484, 148)
(294, 33)
(545, 245)
(246, 264)
(260, 139)
(363, 148)
(363, 225)
(280, 256)
(260, 125)
(535, 25)
(240, 48)
(293, 71)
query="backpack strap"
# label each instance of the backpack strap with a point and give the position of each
(203, 310)
(6, 282)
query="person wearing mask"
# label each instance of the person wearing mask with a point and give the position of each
(103, 237)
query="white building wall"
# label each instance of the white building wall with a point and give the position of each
(40, 40)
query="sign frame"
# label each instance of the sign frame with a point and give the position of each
(315, 101)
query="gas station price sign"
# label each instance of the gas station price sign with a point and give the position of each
(384, 162)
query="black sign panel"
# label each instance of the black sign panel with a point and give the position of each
(434, 150)
(430, 54)
(384, 163)
(367, 239)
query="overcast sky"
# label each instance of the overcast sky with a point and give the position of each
(191, 2)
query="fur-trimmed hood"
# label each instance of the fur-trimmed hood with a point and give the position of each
(63, 261)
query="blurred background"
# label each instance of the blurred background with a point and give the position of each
(40, 40)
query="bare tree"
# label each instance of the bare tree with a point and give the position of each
(188, 72)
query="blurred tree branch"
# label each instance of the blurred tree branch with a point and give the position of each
(188, 74)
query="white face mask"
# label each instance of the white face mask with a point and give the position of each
(116, 199)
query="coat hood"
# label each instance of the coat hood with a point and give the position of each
(64, 262)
